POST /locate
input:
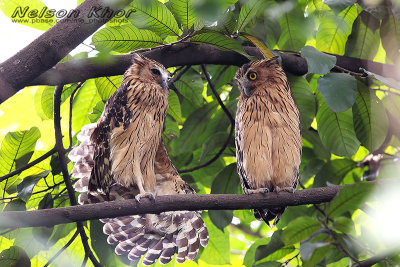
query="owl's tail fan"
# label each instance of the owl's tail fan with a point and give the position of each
(268, 215)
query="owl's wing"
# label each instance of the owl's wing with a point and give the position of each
(154, 236)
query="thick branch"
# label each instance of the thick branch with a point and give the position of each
(53, 45)
(48, 217)
(191, 54)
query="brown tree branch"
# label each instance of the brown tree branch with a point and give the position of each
(48, 217)
(52, 46)
(192, 54)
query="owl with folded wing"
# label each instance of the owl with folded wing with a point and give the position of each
(267, 133)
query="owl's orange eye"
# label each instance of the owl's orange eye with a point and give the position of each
(252, 76)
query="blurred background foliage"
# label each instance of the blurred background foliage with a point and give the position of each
(349, 124)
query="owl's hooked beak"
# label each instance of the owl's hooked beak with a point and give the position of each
(166, 76)
(245, 87)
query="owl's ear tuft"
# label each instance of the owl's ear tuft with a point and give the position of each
(136, 58)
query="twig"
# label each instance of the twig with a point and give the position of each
(230, 117)
(377, 258)
(30, 164)
(71, 100)
(64, 169)
(179, 75)
(63, 248)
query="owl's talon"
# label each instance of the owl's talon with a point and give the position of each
(148, 195)
(286, 189)
(258, 190)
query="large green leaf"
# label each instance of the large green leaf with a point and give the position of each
(219, 41)
(124, 38)
(274, 244)
(295, 29)
(46, 100)
(17, 146)
(14, 256)
(339, 90)
(333, 172)
(191, 87)
(217, 251)
(336, 130)
(25, 187)
(154, 16)
(184, 12)
(339, 5)
(300, 229)
(106, 86)
(390, 35)
(304, 99)
(174, 107)
(349, 199)
(227, 181)
(248, 11)
(370, 119)
(364, 39)
(251, 252)
(96, 112)
(35, 14)
(318, 62)
(334, 29)
(221, 218)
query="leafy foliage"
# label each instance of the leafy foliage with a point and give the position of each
(349, 127)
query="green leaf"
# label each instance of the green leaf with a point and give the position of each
(364, 39)
(311, 168)
(344, 225)
(300, 229)
(349, 199)
(15, 205)
(307, 248)
(84, 102)
(251, 252)
(29, 15)
(319, 149)
(248, 11)
(47, 101)
(217, 251)
(191, 87)
(339, 5)
(184, 12)
(336, 130)
(14, 146)
(154, 16)
(174, 107)
(226, 24)
(274, 244)
(389, 82)
(295, 29)
(333, 30)
(339, 90)
(227, 181)
(96, 112)
(25, 187)
(212, 143)
(46, 202)
(106, 86)
(318, 62)
(277, 255)
(390, 36)
(221, 218)
(14, 256)
(171, 128)
(304, 98)
(370, 119)
(219, 41)
(333, 172)
(124, 38)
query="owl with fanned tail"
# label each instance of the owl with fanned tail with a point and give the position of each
(122, 156)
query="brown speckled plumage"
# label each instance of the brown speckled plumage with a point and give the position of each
(268, 132)
(129, 133)
(129, 130)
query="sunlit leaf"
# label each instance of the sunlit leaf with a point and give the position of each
(339, 5)
(248, 11)
(96, 112)
(339, 90)
(14, 146)
(370, 119)
(124, 38)
(217, 250)
(106, 86)
(274, 244)
(349, 199)
(28, 15)
(389, 82)
(333, 30)
(154, 16)
(364, 39)
(300, 229)
(184, 12)
(390, 36)
(336, 130)
(318, 62)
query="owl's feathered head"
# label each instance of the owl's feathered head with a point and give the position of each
(147, 71)
(259, 76)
